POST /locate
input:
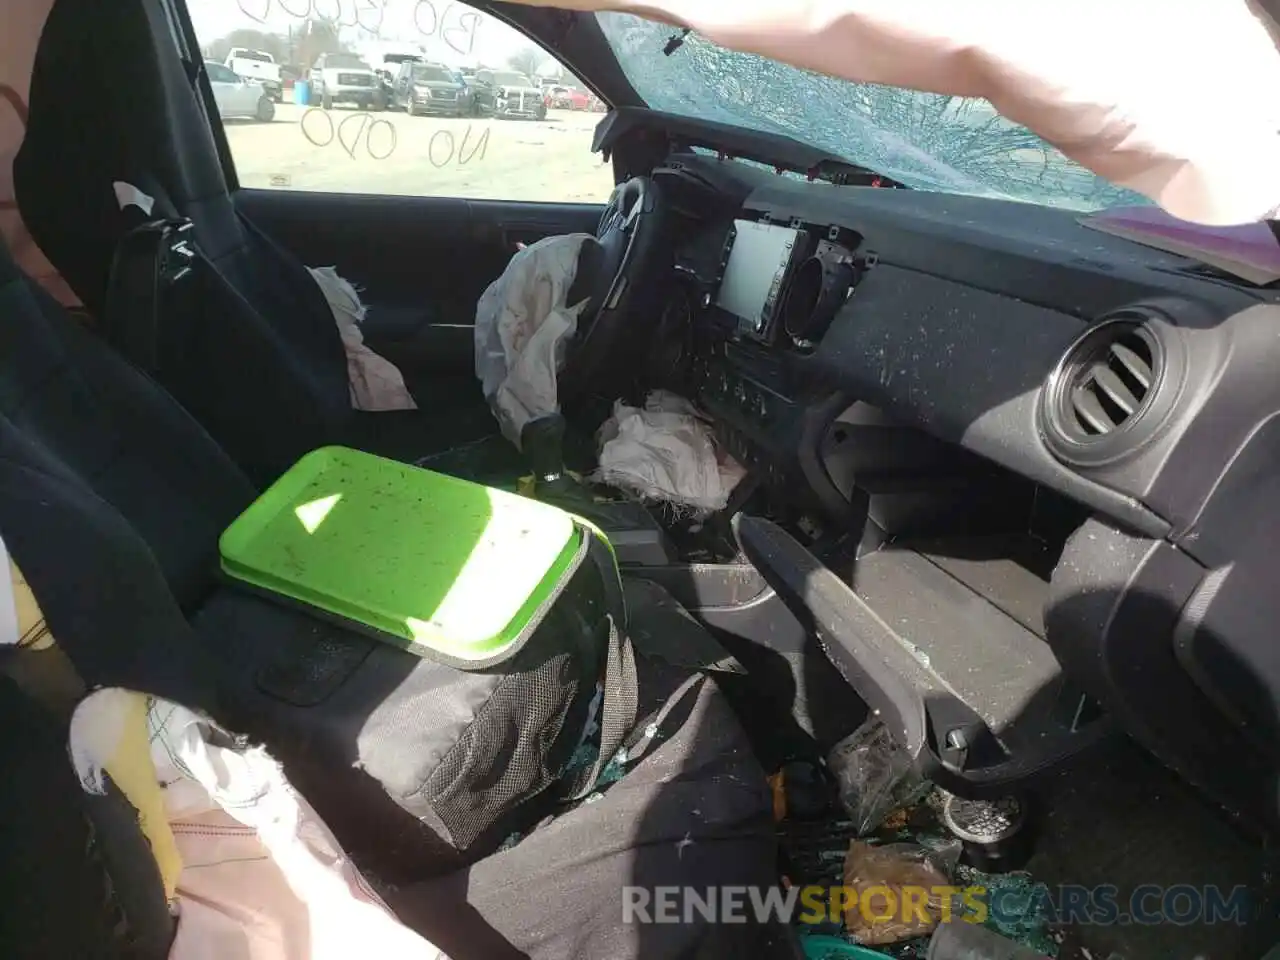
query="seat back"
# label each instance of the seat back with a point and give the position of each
(90, 417)
(78, 876)
(255, 355)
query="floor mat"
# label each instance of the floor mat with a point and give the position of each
(1120, 818)
(1116, 823)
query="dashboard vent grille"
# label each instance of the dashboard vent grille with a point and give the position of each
(1111, 387)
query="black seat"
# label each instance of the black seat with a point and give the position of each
(111, 502)
(99, 421)
(253, 353)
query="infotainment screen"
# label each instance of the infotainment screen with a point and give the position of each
(756, 270)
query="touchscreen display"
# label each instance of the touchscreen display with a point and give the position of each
(756, 270)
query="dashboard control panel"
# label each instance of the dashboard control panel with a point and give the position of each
(784, 283)
(759, 424)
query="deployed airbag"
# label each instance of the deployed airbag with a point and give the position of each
(523, 326)
(666, 452)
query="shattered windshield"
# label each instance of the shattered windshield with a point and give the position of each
(926, 141)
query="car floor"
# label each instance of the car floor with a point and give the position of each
(1118, 817)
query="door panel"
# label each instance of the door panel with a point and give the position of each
(420, 264)
(222, 96)
(247, 98)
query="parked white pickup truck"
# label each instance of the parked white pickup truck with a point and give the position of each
(257, 65)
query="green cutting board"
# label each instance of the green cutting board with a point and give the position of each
(439, 564)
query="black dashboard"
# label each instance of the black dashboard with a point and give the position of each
(1006, 354)
(958, 312)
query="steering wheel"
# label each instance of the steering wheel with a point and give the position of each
(621, 275)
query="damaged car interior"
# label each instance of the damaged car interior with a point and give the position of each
(990, 535)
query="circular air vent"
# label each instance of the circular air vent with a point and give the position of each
(1109, 392)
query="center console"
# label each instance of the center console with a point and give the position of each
(777, 289)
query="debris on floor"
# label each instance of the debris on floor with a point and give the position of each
(1029, 926)
(893, 892)
(822, 947)
(875, 775)
(909, 837)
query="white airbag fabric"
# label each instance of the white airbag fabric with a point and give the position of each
(666, 452)
(523, 325)
(376, 383)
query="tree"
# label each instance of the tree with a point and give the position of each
(312, 38)
(527, 61)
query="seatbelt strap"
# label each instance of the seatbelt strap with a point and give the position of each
(149, 264)
(620, 700)
(618, 708)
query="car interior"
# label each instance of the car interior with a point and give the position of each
(1007, 485)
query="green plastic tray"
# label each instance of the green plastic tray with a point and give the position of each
(438, 563)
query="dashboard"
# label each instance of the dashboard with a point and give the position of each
(1099, 417)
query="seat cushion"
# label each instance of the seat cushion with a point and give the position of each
(694, 813)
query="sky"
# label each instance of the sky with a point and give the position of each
(450, 32)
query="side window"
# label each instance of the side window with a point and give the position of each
(220, 74)
(471, 116)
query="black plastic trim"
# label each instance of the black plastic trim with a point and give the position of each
(1169, 369)
(917, 706)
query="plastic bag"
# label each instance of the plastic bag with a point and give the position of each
(875, 775)
(896, 892)
(523, 327)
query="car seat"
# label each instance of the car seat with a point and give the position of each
(80, 880)
(253, 352)
(94, 449)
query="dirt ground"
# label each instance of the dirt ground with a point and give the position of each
(345, 150)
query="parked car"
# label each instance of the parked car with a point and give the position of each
(387, 67)
(568, 98)
(238, 97)
(345, 78)
(505, 93)
(257, 65)
(422, 88)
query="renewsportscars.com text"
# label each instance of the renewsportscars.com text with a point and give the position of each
(1103, 905)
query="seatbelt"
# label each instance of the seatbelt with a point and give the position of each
(149, 264)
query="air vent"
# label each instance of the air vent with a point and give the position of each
(1111, 387)
(1109, 391)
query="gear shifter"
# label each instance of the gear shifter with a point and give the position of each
(635, 536)
(542, 441)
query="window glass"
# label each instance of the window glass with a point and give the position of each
(477, 122)
(219, 73)
(425, 72)
(350, 61)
